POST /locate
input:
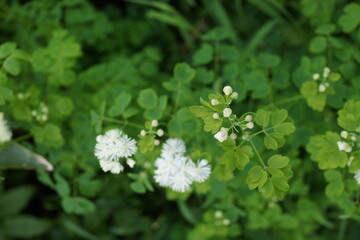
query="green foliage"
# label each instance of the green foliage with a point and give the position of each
(283, 164)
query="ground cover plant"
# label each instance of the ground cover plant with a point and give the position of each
(179, 119)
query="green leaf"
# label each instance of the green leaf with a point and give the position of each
(270, 143)
(257, 177)
(318, 44)
(6, 49)
(62, 186)
(262, 118)
(77, 205)
(278, 116)
(285, 128)
(146, 144)
(138, 187)
(120, 104)
(351, 19)
(280, 183)
(278, 161)
(64, 105)
(314, 99)
(269, 60)
(147, 98)
(183, 72)
(349, 116)
(332, 175)
(23, 226)
(12, 66)
(13, 201)
(204, 55)
(334, 188)
(15, 156)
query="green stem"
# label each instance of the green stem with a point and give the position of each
(125, 123)
(342, 230)
(259, 132)
(23, 137)
(287, 100)
(257, 153)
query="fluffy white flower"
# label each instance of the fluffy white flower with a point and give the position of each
(344, 146)
(201, 171)
(173, 146)
(214, 102)
(5, 133)
(357, 176)
(227, 112)
(222, 135)
(112, 166)
(227, 90)
(113, 145)
(176, 171)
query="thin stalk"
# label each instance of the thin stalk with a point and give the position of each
(257, 153)
(342, 230)
(125, 123)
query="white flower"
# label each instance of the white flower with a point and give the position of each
(227, 112)
(316, 76)
(112, 166)
(343, 146)
(216, 116)
(5, 132)
(234, 95)
(326, 72)
(154, 123)
(353, 138)
(173, 146)
(130, 162)
(344, 134)
(227, 90)
(222, 135)
(160, 132)
(214, 102)
(248, 118)
(322, 88)
(180, 182)
(113, 145)
(218, 214)
(233, 136)
(143, 132)
(250, 125)
(201, 171)
(357, 176)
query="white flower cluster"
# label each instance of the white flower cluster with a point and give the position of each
(112, 146)
(159, 132)
(351, 140)
(176, 171)
(41, 114)
(5, 132)
(324, 82)
(220, 220)
(223, 133)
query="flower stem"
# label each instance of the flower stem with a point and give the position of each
(342, 230)
(257, 153)
(23, 137)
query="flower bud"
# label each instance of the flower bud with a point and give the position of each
(233, 136)
(316, 76)
(344, 134)
(160, 132)
(142, 132)
(154, 123)
(226, 222)
(218, 214)
(234, 95)
(130, 162)
(322, 88)
(248, 118)
(250, 125)
(227, 112)
(156, 142)
(214, 102)
(227, 90)
(222, 135)
(216, 116)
